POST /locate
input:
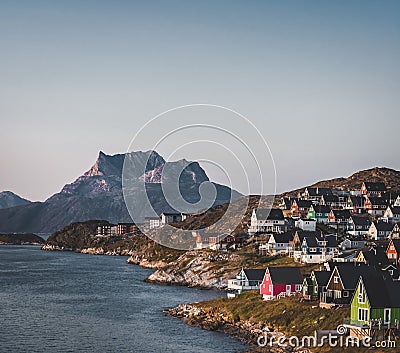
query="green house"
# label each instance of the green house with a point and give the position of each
(319, 212)
(375, 298)
(315, 284)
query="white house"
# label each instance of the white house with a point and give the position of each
(152, 222)
(317, 250)
(280, 243)
(267, 221)
(247, 279)
(169, 217)
(353, 243)
(107, 230)
(357, 225)
(392, 214)
(380, 230)
(306, 224)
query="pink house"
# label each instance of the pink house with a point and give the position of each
(281, 282)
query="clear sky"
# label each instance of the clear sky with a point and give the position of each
(320, 79)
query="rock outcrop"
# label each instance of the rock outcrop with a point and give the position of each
(214, 319)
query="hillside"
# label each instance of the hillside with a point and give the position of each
(390, 177)
(21, 239)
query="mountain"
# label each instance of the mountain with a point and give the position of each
(97, 194)
(9, 199)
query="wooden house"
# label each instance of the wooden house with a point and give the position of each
(319, 212)
(280, 243)
(342, 283)
(375, 189)
(316, 250)
(355, 204)
(375, 206)
(375, 303)
(393, 251)
(380, 230)
(339, 216)
(264, 220)
(280, 282)
(392, 214)
(315, 284)
(247, 279)
(300, 207)
(358, 225)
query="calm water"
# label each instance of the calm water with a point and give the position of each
(67, 302)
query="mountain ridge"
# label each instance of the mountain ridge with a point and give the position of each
(97, 193)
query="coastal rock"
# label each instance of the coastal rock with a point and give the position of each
(197, 269)
(214, 319)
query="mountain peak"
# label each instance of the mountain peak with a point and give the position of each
(8, 199)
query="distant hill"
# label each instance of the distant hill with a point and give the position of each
(389, 176)
(21, 239)
(9, 199)
(97, 194)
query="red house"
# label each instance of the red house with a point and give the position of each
(393, 251)
(280, 282)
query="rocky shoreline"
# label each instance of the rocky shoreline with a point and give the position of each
(217, 320)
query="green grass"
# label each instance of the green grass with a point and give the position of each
(290, 315)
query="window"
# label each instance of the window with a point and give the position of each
(386, 316)
(288, 288)
(362, 314)
(336, 279)
(361, 295)
(298, 287)
(345, 294)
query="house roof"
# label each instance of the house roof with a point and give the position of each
(285, 275)
(321, 208)
(331, 198)
(375, 186)
(308, 233)
(313, 241)
(288, 201)
(357, 201)
(304, 203)
(395, 209)
(380, 201)
(319, 191)
(273, 213)
(376, 256)
(283, 237)
(383, 226)
(361, 221)
(322, 277)
(351, 274)
(341, 214)
(254, 274)
(381, 292)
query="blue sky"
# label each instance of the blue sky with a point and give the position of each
(319, 79)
